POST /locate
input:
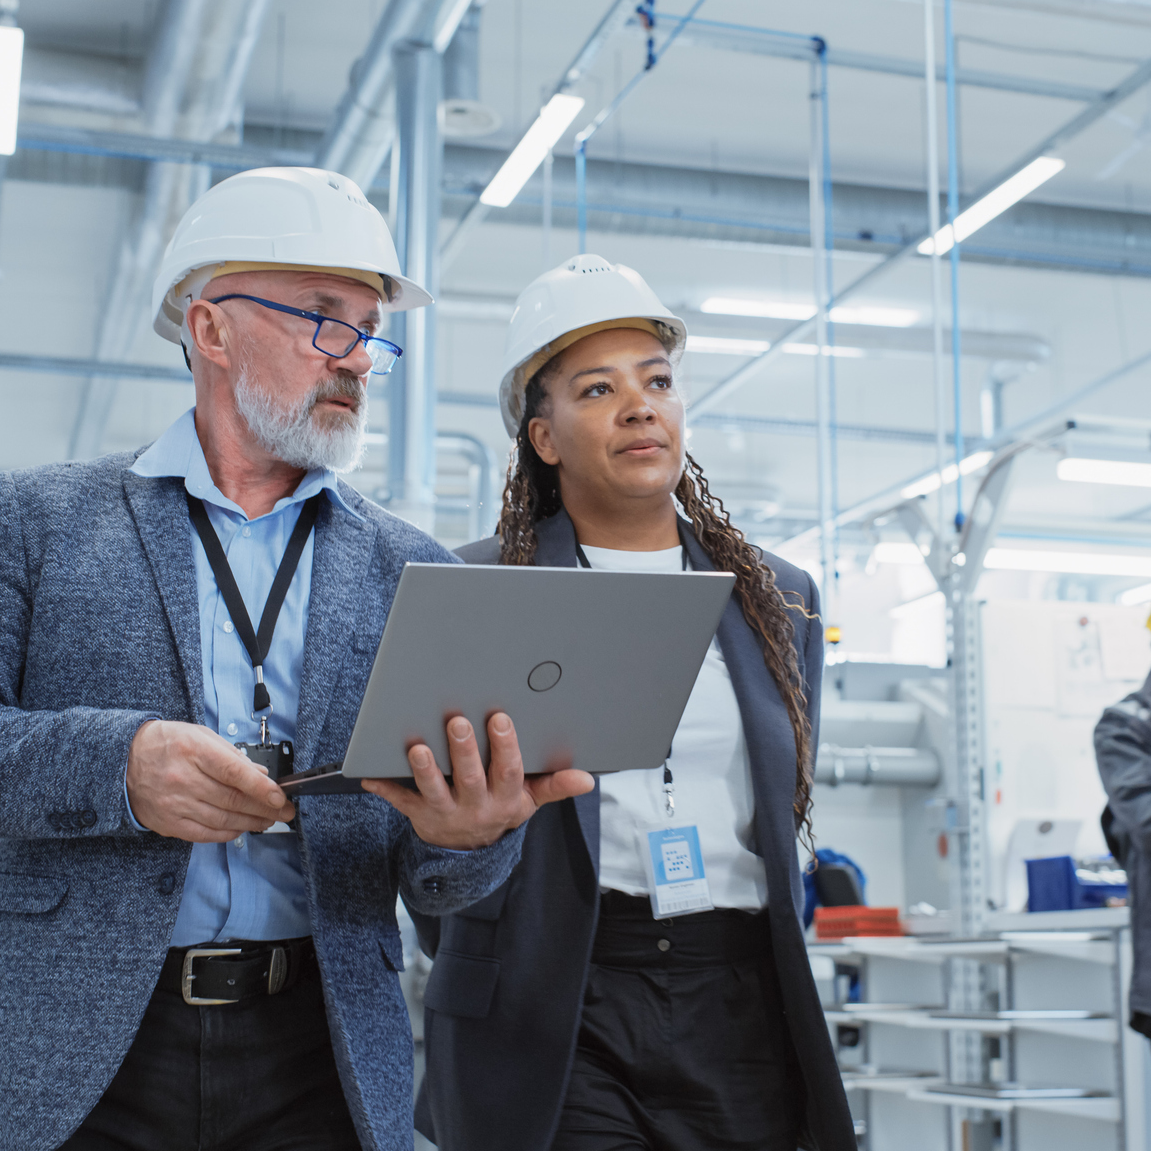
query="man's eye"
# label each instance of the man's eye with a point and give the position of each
(663, 382)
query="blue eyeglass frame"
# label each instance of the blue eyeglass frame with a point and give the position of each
(319, 321)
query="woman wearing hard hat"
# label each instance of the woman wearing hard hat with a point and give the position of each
(561, 1013)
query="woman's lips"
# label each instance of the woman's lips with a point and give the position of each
(643, 448)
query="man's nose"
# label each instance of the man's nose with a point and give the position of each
(357, 361)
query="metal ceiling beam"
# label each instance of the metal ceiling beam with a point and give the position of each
(692, 204)
(192, 90)
(1062, 136)
(762, 42)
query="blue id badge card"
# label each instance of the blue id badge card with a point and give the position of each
(676, 878)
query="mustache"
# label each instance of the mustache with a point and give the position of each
(337, 388)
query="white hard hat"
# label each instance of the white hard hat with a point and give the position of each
(288, 219)
(583, 295)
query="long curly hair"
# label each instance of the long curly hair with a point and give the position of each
(532, 493)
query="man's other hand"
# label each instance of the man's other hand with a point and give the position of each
(187, 782)
(477, 807)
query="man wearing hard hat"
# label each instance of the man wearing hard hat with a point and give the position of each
(182, 969)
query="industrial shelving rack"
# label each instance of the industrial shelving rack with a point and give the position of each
(1032, 973)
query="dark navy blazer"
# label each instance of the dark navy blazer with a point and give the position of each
(502, 1005)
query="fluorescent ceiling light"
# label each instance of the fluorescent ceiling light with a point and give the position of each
(727, 346)
(1089, 471)
(1132, 597)
(998, 200)
(892, 552)
(931, 483)
(1067, 563)
(836, 350)
(783, 310)
(11, 59)
(552, 122)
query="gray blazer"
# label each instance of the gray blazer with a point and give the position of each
(504, 998)
(1123, 753)
(99, 631)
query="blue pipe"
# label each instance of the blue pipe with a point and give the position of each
(581, 194)
(952, 213)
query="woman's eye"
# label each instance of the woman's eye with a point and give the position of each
(596, 390)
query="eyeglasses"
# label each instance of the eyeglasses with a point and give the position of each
(333, 337)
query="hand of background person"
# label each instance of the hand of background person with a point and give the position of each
(476, 807)
(187, 782)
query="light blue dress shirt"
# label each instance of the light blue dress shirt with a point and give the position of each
(252, 887)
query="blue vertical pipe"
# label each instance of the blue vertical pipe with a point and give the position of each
(581, 193)
(829, 253)
(952, 212)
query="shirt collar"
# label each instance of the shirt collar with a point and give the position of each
(178, 453)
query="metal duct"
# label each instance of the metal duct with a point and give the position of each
(191, 90)
(104, 84)
(890, 766)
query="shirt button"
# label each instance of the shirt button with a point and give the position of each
(232, 729)
(239, 841)
(229, 627)
(664, 945)
(246, 532)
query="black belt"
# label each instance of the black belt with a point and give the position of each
(239, 969)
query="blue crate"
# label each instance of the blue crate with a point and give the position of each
(1052, 885)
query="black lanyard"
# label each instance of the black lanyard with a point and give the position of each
(256, 643)
(583, 560)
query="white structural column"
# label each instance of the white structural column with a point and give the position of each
(192, 91)
(418, 164)
(822, 362)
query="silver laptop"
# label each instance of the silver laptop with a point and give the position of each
(594, 667)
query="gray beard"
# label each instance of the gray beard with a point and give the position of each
(290, 433)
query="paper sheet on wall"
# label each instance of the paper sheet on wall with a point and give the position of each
(1125, 650)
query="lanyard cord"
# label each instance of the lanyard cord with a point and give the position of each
(668, 786)
(256, 643)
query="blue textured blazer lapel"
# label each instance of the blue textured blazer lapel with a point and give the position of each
(160, 513)
(341, 559)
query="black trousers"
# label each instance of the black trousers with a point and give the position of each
(258, 1075)
(683, 1044)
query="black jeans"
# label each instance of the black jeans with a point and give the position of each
(258, 1075)
(683, 1044)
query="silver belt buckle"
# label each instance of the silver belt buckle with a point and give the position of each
(187, 975)
(277, 970)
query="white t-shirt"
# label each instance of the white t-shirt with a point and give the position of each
(711, 776)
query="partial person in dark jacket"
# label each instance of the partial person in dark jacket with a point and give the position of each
(1123, 753)
(561, 1015)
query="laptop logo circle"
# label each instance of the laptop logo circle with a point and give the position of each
(544, 676)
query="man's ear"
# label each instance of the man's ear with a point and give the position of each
(540, 434)
(209, 330)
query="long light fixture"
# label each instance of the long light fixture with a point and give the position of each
(1067, 563)
(997, 201)
(1026, 559)
(1088, 471)
(726, 346)
(11, 60)
(933, 482)
(552, 122)
(872, 316)
(840, 350)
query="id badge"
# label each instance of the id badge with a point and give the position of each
(278, 759)
(676, 878)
